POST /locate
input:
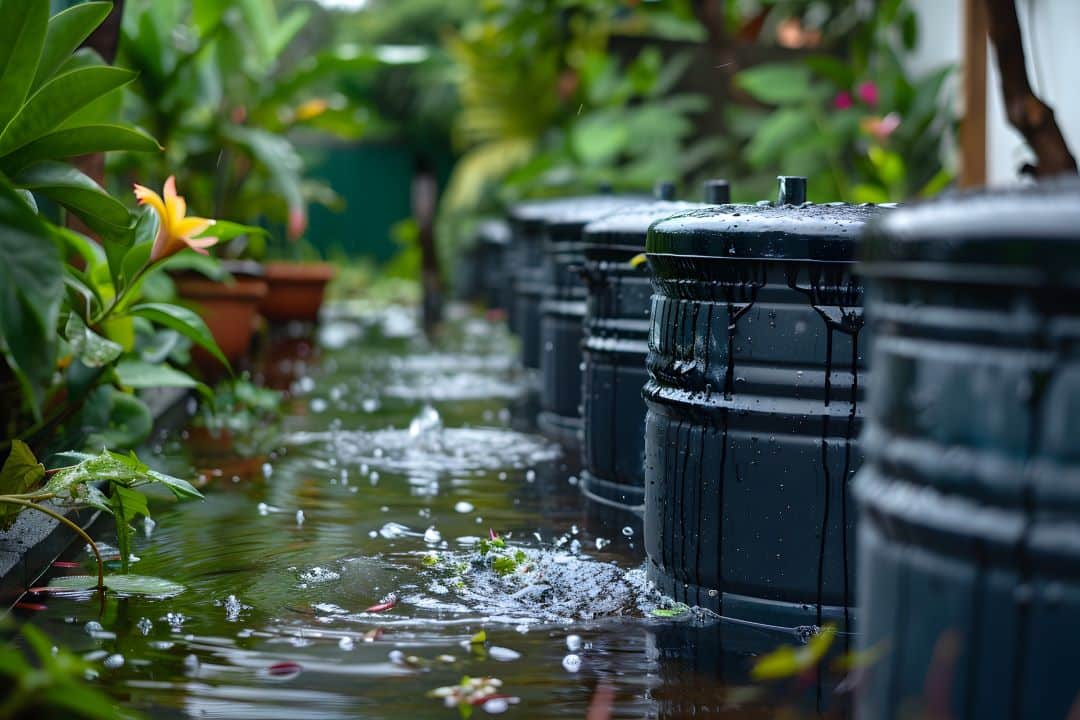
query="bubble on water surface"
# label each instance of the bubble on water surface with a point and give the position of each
(571, 663)
(114, 661)
(145, 625)
(426, 422)
(503, 654)
(319, 575)
(573, 643)
(299, 517)
(464, 507)
(431, 452)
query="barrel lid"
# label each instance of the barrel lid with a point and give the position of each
(627, 227)
(568, 222)
(826, 232)
(987, 235)
(493, 232)
(535, 214)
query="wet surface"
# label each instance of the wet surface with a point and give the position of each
(341, 575)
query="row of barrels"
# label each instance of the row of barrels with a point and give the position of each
(911, 474)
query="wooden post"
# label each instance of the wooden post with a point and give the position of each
(973, 127)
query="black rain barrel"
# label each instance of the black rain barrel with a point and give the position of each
(527, 222)
(562, 313)
(493, 239)
(616, 343)
(969, 532)
(755, 372)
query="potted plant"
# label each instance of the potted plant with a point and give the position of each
(225, 105)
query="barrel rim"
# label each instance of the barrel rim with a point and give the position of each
(828, 232)
(971, 236)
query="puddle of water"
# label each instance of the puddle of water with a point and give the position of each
(341, 575)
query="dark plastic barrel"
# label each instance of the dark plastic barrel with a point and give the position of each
(969, 532)
(526, 258)
(493, 242)
(755, 364)
(562, 313)
(616, 343)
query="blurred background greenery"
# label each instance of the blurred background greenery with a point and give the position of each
(315, 118)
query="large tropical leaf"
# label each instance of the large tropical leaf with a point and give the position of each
(184, 321)
(278, 156)
(58, 100)
(83, 140)
(31, 290)
(66, 31)
(22, 33)
(77, 192)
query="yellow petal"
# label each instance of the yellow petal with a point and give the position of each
(190, 227)
(146, 196)
(174, 204)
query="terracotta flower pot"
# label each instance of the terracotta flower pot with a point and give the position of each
(229, 310)
(296, 290)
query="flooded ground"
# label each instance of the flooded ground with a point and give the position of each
(347, 573)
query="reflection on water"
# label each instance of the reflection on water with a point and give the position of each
(342, 575)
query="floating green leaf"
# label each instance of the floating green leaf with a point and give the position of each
(675, 611)
(788, 661)
(125, 584)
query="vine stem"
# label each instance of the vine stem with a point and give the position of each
(74, 526)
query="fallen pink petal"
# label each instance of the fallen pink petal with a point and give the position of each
(387, 604)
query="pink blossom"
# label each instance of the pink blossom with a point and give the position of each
(868, 93)
(881, 128)
(298, 222)
(842, 101)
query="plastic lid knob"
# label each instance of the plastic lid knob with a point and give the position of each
(717, 192)
(664, 190)
(791, 190)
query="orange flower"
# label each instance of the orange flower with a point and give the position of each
(175, 230)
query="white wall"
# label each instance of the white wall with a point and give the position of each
(1051, 31)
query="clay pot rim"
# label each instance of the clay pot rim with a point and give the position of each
(299, 272)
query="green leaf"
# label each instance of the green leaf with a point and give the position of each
(206, 265)
(677, 610)
(181, 489)
(77, 192)
(776, 134)
(21, 474)
(833, 69)
(82, 140)
(599, 138)
(776, 84)
(93, 350)
(58, 100)
(129, 422)
(184, 321)
(31, 291)
(125, 584)
(22, 33)
(225, 230)
(277, 155)
(66, 31)
(138, 374)
(126, 504)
